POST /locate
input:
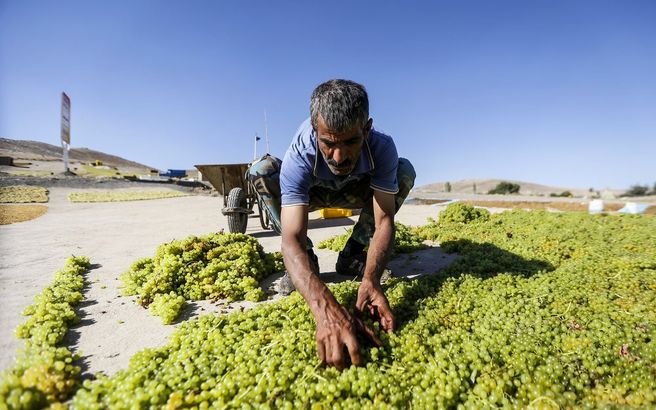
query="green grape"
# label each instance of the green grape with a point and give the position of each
(23, 194)
(118, 196)
(216, 266)
(406, 240)
(44, 374)
(167, 306)
(539, 310)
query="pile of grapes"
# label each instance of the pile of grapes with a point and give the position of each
(216, 266)
(541, 310)
(119, 196)
(406, 240)
(23, 194)
(43, 373)
(167, 306)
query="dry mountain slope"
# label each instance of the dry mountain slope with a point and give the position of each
(466, 186)
(41, 151)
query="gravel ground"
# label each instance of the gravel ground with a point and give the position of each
(76, 182)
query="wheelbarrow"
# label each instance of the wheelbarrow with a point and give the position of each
(239, 195)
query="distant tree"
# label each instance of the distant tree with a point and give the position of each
(447, 186)
(564, 194)
(504, 188)
(591, 190)
(637, 190)
(474, 187)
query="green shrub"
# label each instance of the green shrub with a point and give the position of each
(637, 190)
(564, 194)
(504, 188)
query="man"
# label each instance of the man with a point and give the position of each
(337, 159)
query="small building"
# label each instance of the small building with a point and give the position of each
(6, 161)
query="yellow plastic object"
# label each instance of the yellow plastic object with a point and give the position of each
(328, 213)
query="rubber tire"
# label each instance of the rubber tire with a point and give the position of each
(265, 220)
(237, 221)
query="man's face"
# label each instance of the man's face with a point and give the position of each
(341, 150)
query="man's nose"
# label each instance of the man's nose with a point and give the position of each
(338, 155)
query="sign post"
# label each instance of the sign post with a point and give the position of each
(65, 127)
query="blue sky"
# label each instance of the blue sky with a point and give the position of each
(554, 92)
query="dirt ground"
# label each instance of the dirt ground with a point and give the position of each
(113, 235)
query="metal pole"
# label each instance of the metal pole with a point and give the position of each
(65, 148)
(255, 147)
(266, 132)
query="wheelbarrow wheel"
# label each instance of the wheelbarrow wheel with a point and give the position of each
(237, 221)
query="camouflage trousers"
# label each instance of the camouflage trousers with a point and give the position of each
(264, 174)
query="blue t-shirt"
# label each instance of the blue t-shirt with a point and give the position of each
(303, 166)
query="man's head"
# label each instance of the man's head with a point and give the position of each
(339, 111)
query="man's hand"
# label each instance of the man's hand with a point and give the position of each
(372, 300)
(336, 330)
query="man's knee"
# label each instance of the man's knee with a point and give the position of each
(406, 176)
(265, 176)
(268, 166)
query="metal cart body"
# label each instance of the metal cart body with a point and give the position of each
(239, 195)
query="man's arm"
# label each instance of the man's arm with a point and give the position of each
(370, 295)
(336, 327)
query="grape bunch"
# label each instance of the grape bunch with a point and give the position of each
(406, 240)
(216, 266)
(43, 373)
(167, 306)
(23, 194)
(540, 310)
(120, 196)
(459, 212)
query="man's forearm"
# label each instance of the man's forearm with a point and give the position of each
(307, 283)
(380, 250)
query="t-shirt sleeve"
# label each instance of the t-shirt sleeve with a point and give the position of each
(295, 179)
(386, 166)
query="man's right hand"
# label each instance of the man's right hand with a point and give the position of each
(337, 331)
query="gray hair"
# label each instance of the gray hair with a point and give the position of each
(342, 104)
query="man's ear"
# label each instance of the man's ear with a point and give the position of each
(367, 128)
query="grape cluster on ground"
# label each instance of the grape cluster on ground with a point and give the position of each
(119, 196)
(216, 266)
(542, 310)
(13, 213)
(18, 194)
(45, 373)
(405, 240)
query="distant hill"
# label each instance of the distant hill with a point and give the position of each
(41, 151)
(466, 186)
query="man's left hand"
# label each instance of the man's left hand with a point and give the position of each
(371, 299)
